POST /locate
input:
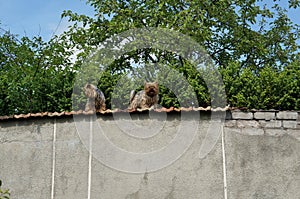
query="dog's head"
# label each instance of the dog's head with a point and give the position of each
(90, 90)
(151, 88)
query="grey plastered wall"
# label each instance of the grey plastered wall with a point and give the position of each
(25, 157)
(257, 157)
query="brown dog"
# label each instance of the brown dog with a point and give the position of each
(147, 98)
(96, 99)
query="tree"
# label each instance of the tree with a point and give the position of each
(254, 47)
(35, 76)
(239, 35)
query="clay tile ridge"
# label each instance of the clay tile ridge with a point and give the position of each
(108, 111)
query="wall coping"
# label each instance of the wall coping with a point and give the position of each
(234, 117)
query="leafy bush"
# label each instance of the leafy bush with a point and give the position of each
(35, 76)
(4, 194)
(267, 88)
(255, 48)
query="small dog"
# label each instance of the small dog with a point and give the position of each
(96, 99)
(147, 98)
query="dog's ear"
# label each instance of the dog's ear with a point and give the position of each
(89, 86)
(85, 87)
(145, 84)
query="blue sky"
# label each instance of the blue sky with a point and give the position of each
(42, 17)
(38, 17)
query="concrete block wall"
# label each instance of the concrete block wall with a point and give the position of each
(255, 155)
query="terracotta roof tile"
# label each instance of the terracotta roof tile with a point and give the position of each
(108, 111)
(71, 113)
(36, 114)
(6, 117)
(22, 116)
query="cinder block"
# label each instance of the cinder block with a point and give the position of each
(287, 115)
(242, 115)
(264, 115)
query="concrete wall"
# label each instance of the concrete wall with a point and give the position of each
(254, 155)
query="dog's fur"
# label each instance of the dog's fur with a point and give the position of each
(96, 99)
(147, 98)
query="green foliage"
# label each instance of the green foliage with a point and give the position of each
(35, 75)
(229, 30)
(267, 89)
(4, 193)
(254, 48)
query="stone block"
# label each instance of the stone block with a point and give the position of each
(264, 115)
(247, 123)
(287, 115)
(242, 115)
(289, 124)
(270, 124)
